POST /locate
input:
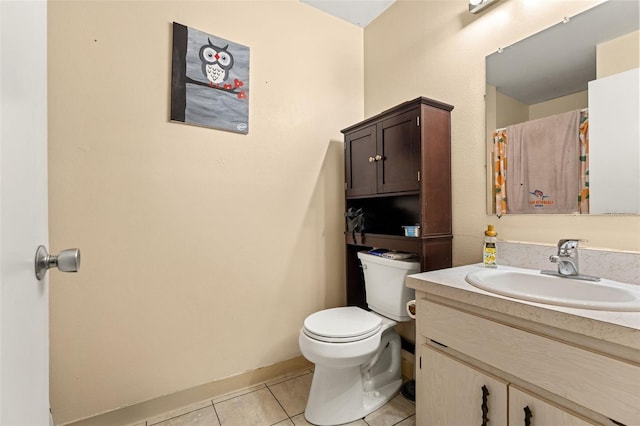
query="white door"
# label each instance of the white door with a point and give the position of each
(24, 313)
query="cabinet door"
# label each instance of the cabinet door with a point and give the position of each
(450, 392)
(528, 410)
(360, 164)
(399, 148)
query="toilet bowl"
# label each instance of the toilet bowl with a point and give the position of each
(357, 352)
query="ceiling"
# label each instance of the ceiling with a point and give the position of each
(358, 12)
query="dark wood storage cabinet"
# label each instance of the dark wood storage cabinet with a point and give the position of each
(398, 170)
(380, 158)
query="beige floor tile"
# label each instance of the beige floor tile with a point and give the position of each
(202, 417)
(253, 409)
(286, 422)
(396, 410)
(293, 393)
(178, 412)
(411, 421)
(299, 420)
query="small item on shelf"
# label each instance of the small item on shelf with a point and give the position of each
(412, 231)
(377, 252)
(396, 255)
(391, 254)
(489, 252)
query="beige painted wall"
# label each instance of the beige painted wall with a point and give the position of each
(509, 111)
(618, 55)
(439, 52)
(559, 105)
(202, 250)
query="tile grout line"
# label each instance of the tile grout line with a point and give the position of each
(281, 406)
(259, 387)
(286, 378)
(408, 417)
(216, 412)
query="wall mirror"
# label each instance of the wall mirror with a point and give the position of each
(558, 70)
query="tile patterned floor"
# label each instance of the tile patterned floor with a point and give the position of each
(275, 403)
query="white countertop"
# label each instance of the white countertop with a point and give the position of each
(615, 327)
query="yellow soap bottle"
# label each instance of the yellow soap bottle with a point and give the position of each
(489, 252)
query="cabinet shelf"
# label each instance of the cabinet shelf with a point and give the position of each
(390, 242)
(392, 194)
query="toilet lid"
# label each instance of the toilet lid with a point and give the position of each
(346, 324)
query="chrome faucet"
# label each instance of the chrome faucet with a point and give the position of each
(568, 261)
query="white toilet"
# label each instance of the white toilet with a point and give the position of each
(356, 352)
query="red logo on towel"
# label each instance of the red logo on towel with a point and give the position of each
(541, 199)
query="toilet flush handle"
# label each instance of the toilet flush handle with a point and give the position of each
(411, 308)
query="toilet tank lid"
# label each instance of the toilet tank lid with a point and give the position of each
(408, 264)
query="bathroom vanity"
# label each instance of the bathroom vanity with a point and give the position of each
(486, 359)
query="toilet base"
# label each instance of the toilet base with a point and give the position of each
(343, 395)
(342, 408)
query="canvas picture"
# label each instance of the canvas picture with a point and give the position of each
(209, 81)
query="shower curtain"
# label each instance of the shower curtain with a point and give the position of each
(583, 197)
(500, 167)
(500, 170)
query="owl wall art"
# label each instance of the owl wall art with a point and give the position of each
(209, 81)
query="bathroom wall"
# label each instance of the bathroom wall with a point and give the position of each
(202, 250)
(559, 105)
(618, 55)
(439, 52)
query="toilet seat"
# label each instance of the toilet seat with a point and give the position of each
(342, 325)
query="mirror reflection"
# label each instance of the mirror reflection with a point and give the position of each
(562, 110)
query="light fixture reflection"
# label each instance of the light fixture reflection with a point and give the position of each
(476, 6)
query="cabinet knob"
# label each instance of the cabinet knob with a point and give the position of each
(378, 157)
(371, 159)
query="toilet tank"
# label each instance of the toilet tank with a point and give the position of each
(387, 293)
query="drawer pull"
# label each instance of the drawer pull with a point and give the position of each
(527, 416)
(485, 405)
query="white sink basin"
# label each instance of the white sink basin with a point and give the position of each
(605, 295)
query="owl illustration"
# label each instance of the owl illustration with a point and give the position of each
(216, 62)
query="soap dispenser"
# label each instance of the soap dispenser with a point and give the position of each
(489, 252)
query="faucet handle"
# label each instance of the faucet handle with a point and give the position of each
(568, 246)
(570, 243)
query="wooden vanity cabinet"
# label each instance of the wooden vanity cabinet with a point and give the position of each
(460, 394)
(479, 397)
(398, 170)
(528, 409)
(533, 376)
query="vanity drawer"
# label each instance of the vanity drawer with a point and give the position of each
(600, 383)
